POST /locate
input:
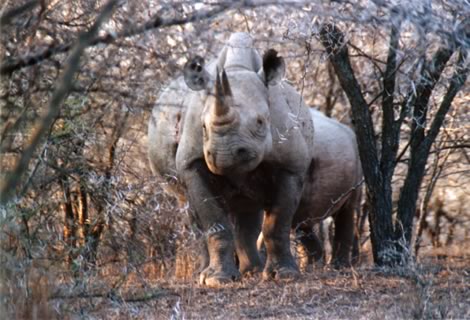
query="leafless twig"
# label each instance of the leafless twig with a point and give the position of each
(63, 87)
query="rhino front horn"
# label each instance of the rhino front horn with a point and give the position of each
(222, 92)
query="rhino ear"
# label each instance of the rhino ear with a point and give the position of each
(195, 75)
(274, 67)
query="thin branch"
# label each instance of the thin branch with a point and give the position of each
(343, 196)
(63, 87)
(334, 204)
(456, 83)
(361, 53)
(456, 146)
(156, 22)
(430, 75)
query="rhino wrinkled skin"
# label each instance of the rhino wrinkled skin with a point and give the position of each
(239, 144)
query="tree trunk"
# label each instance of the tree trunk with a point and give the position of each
(378, 194)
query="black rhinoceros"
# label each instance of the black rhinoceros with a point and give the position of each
(238, 142)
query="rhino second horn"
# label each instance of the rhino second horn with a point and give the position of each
(226, 85)
(220, 108)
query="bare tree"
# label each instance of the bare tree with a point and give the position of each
(391, 241)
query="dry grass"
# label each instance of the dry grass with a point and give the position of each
(434, 289)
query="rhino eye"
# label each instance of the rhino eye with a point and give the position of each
(204, 133)
(260, 127)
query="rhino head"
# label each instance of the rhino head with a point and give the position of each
(235, 120)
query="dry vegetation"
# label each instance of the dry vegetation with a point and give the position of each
(90, 233)
(436, 289)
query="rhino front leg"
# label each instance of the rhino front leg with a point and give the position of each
(248, 225)
(205, 200)
(221, 269)
(280, 263)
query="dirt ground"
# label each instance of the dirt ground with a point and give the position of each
(436, 288)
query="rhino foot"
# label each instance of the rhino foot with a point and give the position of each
(341, 264)
(217, 278)
(251, 268)
(281, 272)
(251, 272)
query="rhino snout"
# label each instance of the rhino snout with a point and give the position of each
(242, 154)
(237, 157)
(210, 157)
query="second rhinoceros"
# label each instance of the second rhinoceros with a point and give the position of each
(238, 142)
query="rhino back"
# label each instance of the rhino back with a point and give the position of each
(336, 146)
(335, 168)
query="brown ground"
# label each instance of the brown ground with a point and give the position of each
(435, 289)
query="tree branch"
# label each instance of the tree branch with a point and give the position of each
(63, 87)
(8, 16)
(430, 75)
(390, 136)
(456, 82)
(156, 22)
(419, 143)
(334, 43)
